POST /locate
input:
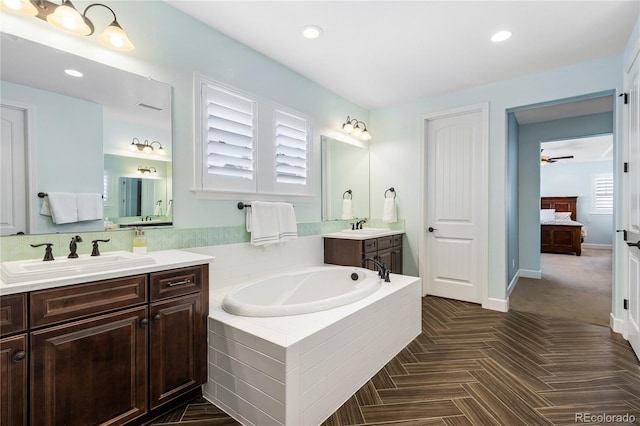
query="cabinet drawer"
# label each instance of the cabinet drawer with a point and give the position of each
(384, 243)
(397, 240)
(13, 313)
(176, 282)
(75, 301)
(370, 245)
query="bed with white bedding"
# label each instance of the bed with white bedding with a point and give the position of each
(559, 230)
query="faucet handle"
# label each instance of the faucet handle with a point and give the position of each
(96, 250)
(48, 252)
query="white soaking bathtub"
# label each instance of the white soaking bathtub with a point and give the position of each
(294, 370)
(303, 292)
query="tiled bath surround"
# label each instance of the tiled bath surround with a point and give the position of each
(18, 247)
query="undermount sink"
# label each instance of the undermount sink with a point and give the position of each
(30, 270)
(365, 231)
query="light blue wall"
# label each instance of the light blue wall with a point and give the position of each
(173, 57)
(576, 179)
(529, 169)
(513, 251)
(396, 149)
(54, 141)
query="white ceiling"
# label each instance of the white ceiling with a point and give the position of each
(382, 53)
(565, 110)
(596, 148)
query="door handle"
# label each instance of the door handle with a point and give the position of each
(431, 229)
(636, 244)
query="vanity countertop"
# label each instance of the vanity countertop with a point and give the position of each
(363, 234)
(164, 260)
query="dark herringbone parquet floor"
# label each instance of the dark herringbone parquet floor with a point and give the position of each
(477, 367)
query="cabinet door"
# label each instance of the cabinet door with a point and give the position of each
(384, 256)
(13, 380)
(178, 358)
(92, 371)
(396, 260)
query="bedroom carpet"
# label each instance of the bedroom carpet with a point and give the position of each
(572, 287)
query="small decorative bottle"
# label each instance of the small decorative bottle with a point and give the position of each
(139, 241)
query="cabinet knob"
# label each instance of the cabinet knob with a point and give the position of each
(19, 356)
(144, 322)
(157, 318)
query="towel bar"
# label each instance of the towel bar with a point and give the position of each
(348, 191)
(390, 190)
(44, 194)
(242, 205)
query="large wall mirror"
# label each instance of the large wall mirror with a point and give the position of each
(345, 167)
(78, 136)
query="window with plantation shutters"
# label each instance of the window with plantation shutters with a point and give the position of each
(249, 146)
(602, 193)
(291, 136)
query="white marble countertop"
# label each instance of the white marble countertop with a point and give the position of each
(354, 235)
(166, 259)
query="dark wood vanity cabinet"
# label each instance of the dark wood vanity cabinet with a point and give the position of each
(109, 352)
(14, 360)
(348, 252)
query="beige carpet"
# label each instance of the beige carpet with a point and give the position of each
(572, 287)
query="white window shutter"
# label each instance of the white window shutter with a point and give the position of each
(292, 152)
(603, 194)
(230, 140)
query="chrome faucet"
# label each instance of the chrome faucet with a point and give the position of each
(383, 272)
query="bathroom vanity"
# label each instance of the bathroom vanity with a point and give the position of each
(351, 247)
(118, 350)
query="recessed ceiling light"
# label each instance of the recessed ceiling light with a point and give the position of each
(311, 31)
(73, 73)
(501, 36)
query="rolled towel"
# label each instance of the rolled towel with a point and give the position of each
(389, 214)
(347, 209)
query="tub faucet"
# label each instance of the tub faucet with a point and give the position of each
(383, 272)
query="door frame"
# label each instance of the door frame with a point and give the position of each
(29, 154)
(483, 214)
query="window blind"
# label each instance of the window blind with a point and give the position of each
(230, 134)
(291, 140)
(603, 193)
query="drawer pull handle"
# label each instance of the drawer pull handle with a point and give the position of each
(19, 356)
(187, 281)
(144, 322)
(157, 318)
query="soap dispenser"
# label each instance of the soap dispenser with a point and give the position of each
(139, 241)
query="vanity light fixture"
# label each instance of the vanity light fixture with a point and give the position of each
(146, 147)
(147, 171)
(66, 17)
(352, 127)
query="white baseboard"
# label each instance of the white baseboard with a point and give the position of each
(500, 305)
(528, 273)
(513, 283)
(597, 246)
(616, 324)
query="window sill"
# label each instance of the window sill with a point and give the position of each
(208, 194)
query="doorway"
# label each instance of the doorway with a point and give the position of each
(552, 283)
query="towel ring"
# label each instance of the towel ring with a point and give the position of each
(390, 190)
(348, 191)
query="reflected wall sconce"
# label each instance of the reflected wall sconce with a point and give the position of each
(353, 127)
(66, 17)
(146, 147)
(148, 171)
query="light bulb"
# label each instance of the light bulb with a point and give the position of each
(147, 149)
(357, 131)
(347, 127)
(67, 18)
(23, 7)
(139, 171)
(133, 147)
(114, 37)
(365, 135)
(161, 151)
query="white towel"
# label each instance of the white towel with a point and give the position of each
(63, 207)
(287, 222)
(347, 209)
(157, 211)
(90, 206)
(389, 214)
(170, 209)
(262, 222)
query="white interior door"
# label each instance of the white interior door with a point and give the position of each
(632, 197)
(456, 249)
(13, 174)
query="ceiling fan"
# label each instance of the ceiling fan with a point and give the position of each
(544, 159)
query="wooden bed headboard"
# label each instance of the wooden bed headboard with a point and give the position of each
(560, 204)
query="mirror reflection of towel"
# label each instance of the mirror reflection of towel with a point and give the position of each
(347, 209)
(62, 207)
(90, 206)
